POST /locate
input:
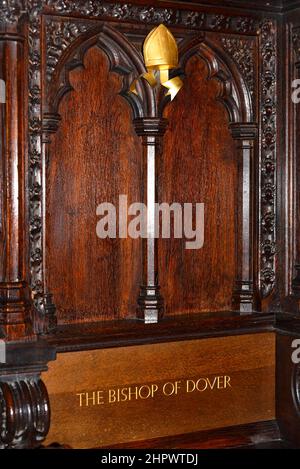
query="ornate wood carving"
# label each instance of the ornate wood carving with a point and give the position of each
(24, 405)
(24, 412)
(232, 92)
(123, 57)
(140, 13)
(35, 162)
(242, 52)
(15, 302)
(64, 33)
(59, 36)
(44, 319)
(71, 28)
(12, 10)
(267, 174)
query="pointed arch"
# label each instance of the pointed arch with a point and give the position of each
(234, 92)
(124, 59)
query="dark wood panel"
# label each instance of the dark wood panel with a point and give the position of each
(250, 435)
(199, 164)
(248, 360)
(111, 334)
(95, 156)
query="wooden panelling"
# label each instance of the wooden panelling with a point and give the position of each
(95, 156)
(64, 151)
(199, 164)
(248, 361)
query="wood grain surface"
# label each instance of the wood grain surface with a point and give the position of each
(95, 157)
(199, 165)
(248, 360)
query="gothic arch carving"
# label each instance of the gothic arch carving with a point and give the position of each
(225, 63)
(234, 92)
(124, 59)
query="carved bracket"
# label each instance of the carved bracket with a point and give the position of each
(24, 401)
(24, 412)
(43, 320)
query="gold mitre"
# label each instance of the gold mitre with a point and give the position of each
(160, 49)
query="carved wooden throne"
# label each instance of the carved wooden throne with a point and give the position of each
(73, 136)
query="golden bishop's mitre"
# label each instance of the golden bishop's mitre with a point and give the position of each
(160, 53)
(160, 49)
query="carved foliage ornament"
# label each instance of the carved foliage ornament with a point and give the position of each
(12, 10)
(268, 158)
(59, 36)
(95, 8)
(35, 164)
(242, 52)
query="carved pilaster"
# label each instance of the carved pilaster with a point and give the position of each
(15, 298)
(44, 313)
(243, 295)
(267, 174)
(150, 301)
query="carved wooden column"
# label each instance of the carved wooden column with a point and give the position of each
(243, 295)
(150, 301)
(47, 321)
(14, 292)
(24, 403)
